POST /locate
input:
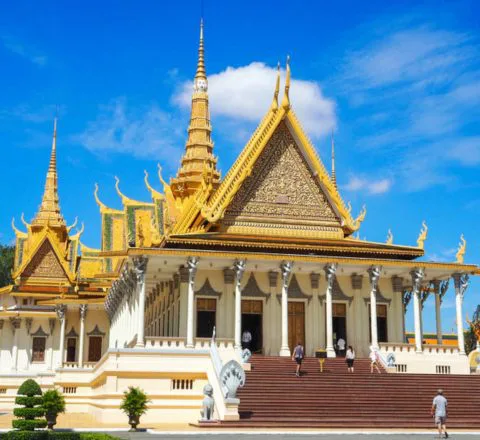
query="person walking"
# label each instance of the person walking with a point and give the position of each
(341, 346)
(373, 360)
(350, 358)
(439, 410)
(246, 339)
(297, 356)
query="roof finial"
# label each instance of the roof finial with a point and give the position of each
(334, 176)
(49, 212)
(277, 90)
(201, 72)
(286, 97)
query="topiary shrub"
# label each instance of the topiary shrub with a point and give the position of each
(30, 416)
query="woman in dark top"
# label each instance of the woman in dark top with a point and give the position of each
(297, 356)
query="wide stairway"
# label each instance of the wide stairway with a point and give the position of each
(274, 397)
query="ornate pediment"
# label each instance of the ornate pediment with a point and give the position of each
(337, 294)
(45, 264)
(208, 290)
(282, 195)
(253, 289)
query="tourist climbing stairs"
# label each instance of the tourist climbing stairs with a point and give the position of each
(274, 397)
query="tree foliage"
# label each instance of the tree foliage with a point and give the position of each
(7, 256)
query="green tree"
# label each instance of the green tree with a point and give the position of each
(31, 415)
(7, 256)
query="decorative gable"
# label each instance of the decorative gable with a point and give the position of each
(282, 195)
(45, 265)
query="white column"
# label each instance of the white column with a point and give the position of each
(192, 263)
(286, 268)
(83, 315)
(417, 277)
(461, 284)
(51, 325)
(374, 275)
(140, 267)
(61, 314)
(330, 270)
(438, 316)
(239, 268)
(16, 323)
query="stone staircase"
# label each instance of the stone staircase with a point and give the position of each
(274, 397)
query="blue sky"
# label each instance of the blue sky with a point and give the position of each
(399, 84)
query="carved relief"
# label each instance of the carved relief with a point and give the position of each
(281, 187)
(44, 264)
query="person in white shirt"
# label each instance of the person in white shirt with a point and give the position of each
(246, 339)
(350, 358)
(439, 410)
(341, 346)
(373, 360)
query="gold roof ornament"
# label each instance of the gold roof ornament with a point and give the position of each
(22, 218)
(361, 217)
(277, 90)
(199, 145)
(49, 211)
(422, 236)
(389, 237)
(17, 231)
(286, 94)
(462, 247)
(333, 175)
(69, 228)
(154, 192)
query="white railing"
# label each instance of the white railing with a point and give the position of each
(76, 365)
(388, 347)
(164, 342)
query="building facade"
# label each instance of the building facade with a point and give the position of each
(269, 248)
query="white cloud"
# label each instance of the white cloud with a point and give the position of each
(147, 133)
(244, 94)
(357, 183)
(22, 50)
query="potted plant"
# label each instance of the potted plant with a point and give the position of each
(134, 405)
(53, 404)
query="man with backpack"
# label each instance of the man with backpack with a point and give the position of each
(297, 356)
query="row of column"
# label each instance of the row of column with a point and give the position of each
(286, 269)
(461, 282)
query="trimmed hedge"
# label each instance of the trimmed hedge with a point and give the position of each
(55, 435)
(29, 425)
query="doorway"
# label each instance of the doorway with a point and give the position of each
(252, 321)
(94, 348)
(382, 332)
(296, 324)
(339, 314)
(206, 316)
(71, 349)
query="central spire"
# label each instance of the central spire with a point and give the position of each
(49, 211)
(198, 164)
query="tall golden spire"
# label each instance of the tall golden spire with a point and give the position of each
(334, 176)
(198, 163)
(49, 211)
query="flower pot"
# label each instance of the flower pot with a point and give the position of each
(133, 421)
(51, 419)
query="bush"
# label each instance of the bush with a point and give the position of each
(53, 402)
(134, 402)
(31, 400)
(52, 435)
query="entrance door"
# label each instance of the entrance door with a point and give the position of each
(296, 324)
(206, 316)
(94, 348)
(252, 321)
(382, 332)
(339, 322)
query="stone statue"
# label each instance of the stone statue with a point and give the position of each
(208, 404)
(232, 377)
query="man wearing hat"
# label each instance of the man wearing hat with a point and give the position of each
(439, 409)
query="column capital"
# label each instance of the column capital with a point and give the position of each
(286, 268)
(140, 267)
(228, 275)
(273, 278)
(461, 281)
(61, 309)
(239, 269)
(374, 276)
(83, 311)
(417, 275)
(192, 263)
(397, 284)
(443, 289)
(330, 270)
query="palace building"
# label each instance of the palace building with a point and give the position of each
(269, 248)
